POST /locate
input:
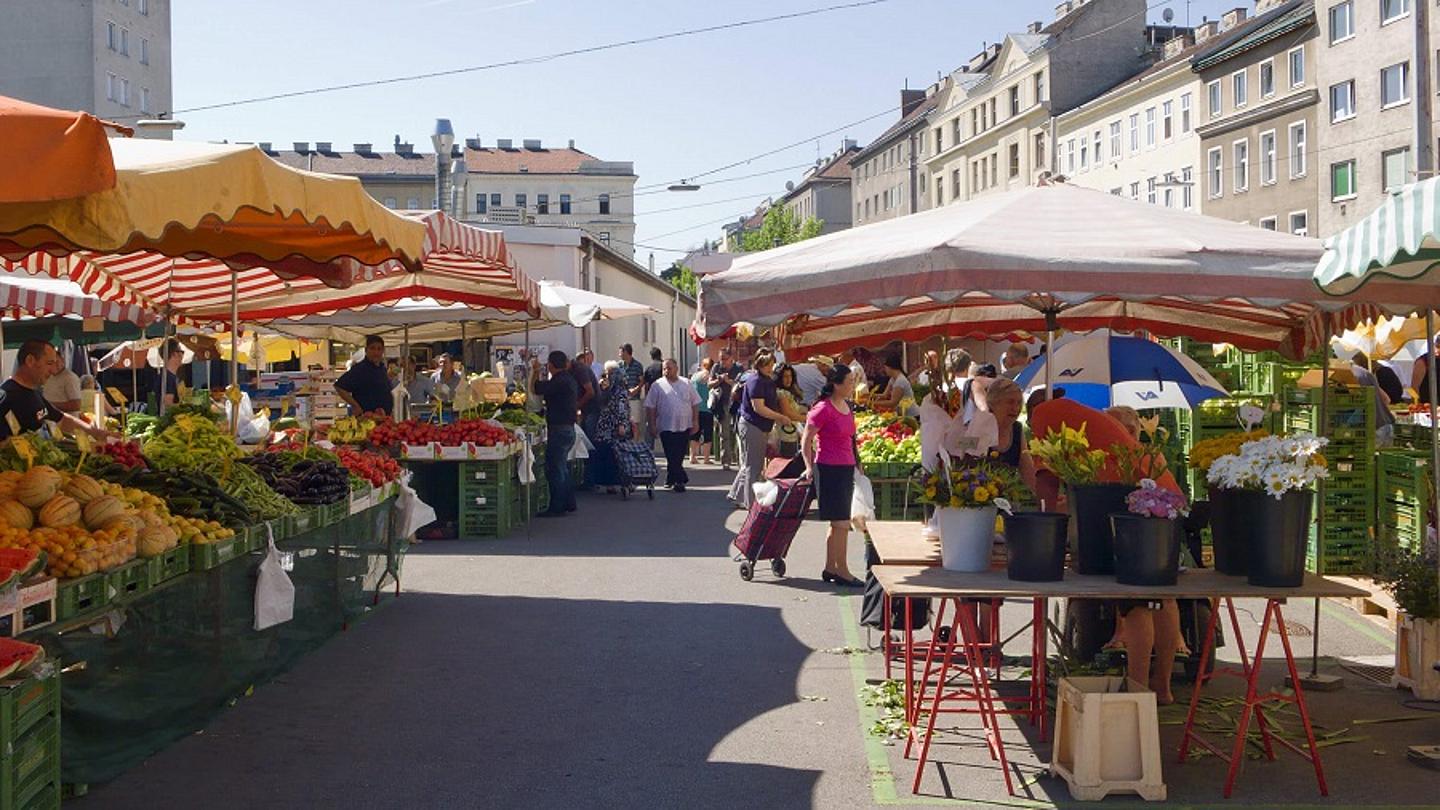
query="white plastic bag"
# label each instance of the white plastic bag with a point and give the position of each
(766, 493)
(412, 513)
(274, 592)
(582, 446)
(862, 502)
(527, 457)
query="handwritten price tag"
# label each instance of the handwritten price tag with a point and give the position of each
(116, 395)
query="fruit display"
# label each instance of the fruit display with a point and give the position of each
(195, 444)
(301, 480)
(155, 512)
(72, 548)
(350, 430)
(18, 655)
(126, 454)
(140, 425)
(193, 495)
(375, 469)
(410, 431)
(884, 439)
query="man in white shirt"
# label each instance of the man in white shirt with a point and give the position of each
(811, 377)
(63, 388)
(672, 407)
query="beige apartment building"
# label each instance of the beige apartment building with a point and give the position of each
(999, 136)
(824, 192)
(888, 177)
(1259, 118)
(1138, 139)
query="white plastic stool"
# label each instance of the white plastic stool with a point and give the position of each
(1107, 739)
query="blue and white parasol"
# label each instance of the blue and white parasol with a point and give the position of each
(1103, 369)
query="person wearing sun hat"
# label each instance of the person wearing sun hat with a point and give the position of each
(811, 377)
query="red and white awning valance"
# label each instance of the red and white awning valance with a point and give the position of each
(22, 295)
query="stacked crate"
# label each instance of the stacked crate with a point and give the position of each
(30, 748)
(1402, 492)
(1213, 418)
(895, 491)
(487, 497)
(1346, 501)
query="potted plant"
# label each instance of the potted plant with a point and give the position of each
(1148, 534)
(1228, 538)
(1267, 487)
(966, 498)
(1067, 454)
(1410, 576)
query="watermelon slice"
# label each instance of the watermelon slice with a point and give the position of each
(28, 562)
(18, 655)
(9, 577)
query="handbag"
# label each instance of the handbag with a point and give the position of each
(872, 603)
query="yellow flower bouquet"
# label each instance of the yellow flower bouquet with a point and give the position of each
(973, 486)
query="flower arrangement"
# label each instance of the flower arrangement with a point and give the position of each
(1151, 500)
(1272, 464)
(1145, 460)
(973, 486)
(1066, 452)
(1204, 453)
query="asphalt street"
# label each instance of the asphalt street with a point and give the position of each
(614, 658)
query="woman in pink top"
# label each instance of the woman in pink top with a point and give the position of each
(831, 426)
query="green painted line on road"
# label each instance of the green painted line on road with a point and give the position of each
(1349, 617)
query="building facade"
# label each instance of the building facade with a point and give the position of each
(825, 191)
(1138, 139)
(1259, 119)
(107, 57)
(888, 177)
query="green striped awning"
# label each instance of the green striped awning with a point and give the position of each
(1398, 239)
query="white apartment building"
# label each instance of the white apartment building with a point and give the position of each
(1138, 139)
(889, 177)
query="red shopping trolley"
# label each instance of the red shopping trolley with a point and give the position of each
(769, 530)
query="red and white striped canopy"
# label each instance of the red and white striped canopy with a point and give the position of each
(22, 295)
(996, 264)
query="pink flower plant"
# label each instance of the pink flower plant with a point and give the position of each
(1154, 501)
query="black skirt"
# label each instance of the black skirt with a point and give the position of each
(834, 487)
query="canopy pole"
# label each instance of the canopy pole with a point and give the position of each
(1324, 420)
(164, 363)
(1434, 446)
(1050, 326)
(234, 392)
(405, 362)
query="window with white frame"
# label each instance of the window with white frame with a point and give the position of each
(1297, 149)
(1342, 21)
(1168, 197)
(1239, 88)
(1392, 10)
(1135, 132)
(143, 6)
(144, 51)
(1268, 157)
(1212, 92)
(1267, 78)
(480, 199)
(1015, 100)
(1117, 191)
(1187, 188)
(1167, 120)
(390, 203)
(145, 99)
(1149, 127)
(112, 36)
(1297, 66)
(1070, 156)
(1039, 150)
(110, 83)
(1395, 85)
(1342, 180)
(1216, 165)
(1270, 223)
(124, 92)
(1084, 154)
(1185, 104)
(1241, 150)
(1135, 191)
(1394, 168)
(1040, 86)
(413, 204)
(1095, 149)
(124, 41)
(1300, 223)
(1342, 101)
(1150, 190)
(995, 169)
(1114, 140)
(1014, 160)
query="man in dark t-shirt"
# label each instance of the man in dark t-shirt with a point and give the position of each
(560, 394)
(23, 408)
(365, 387)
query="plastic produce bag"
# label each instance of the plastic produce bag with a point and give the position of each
(766, 493)
(412, 513)
(274, 592)
(862, 502)
(527, 457)
(582, 446)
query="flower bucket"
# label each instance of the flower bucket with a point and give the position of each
(1091, 535)
(1147, 549)
(967, 537)
(1035, 546)
(1280, 532)
(1232, 535)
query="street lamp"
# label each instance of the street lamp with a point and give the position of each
(684, 185)
(458, 176)
(443, 138)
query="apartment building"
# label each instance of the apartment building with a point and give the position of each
(1138, 139)
(1364, 144)
(999, 136)
(945, 129)
(824, 192)
(1258, 119)
(888, 177)
(107, 57)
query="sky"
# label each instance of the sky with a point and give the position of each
(676, 109)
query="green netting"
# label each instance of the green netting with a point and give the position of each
(187, 649)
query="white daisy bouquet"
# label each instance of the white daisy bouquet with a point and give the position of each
(1274, 465)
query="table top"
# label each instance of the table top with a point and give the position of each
(899, 542)
(934, 582)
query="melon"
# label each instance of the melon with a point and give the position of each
(16, 515)
(100, 511)
(155, 541)
(61, 510)
(83, 489)
(28, 562)
(37, 486)
(18, 655)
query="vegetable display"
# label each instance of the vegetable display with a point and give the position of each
(410, 431)
(373, 468)
(194, 444)
(886, 439)
(301, 480)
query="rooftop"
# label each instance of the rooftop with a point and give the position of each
(502, 157)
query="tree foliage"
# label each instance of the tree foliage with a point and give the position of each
(682, 278)
(781, 227)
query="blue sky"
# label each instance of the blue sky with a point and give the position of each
(674, 108)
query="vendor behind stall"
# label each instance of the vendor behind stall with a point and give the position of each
(366, 386)
(174, 356)
(23, 408)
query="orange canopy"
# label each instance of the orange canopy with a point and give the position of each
(51, 154)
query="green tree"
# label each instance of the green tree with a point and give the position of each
(682, 278)
(781, 227)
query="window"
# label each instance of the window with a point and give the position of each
(112, 36)
(1297, 67)
(123, 92)
(1240, 88)
(1185, 101)
(955, 180)
(1395, 168)
(1040, 87)
(604, 203)
(1342, 101)
(1095, 149)
(1169, 194)
(145, 99)
(939, 193)
(1267, 78)
(1115, 140)
(1015, 100)
(1150, 191)
(521, 201)
(994, 117)
(1342, 180)
(542, 203)
(110, 82)
(1117, 191)
(1212, 91)
(858, 215)
(1395, 85)
(1187, 189)
(144, 51)
(124, 41)
(390, 202)
(1149, 126)
(1300, 223)
(1269, 223)
(480, 207)
(1070, 156)
(1342, 21)
(1217, 172)
(1014, 160)
(1392, 10)
(939, 139)
(1297, 149)
(1135, 132)
(1167, 120)
(956, 135)
(143, 6)
(1039, 149)
(413, 204)
(1084, 154)
(1242, 164)
(1267, 157)
(1134, 191)
(605, 240)
(994, 169)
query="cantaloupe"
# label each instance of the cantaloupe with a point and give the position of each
(61, 510)
(100, 511)
(37, 486)
(15, 514)
(83, 489)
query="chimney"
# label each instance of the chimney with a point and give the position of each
(1062, 9)
(265, 147)
(323, 147)
(397, 143)
(909, 100)
(572, 143)
(404, 149)
(364, 149)
(504, 143)
(978, 59)
(1262, 6)
(532, 144)
(457, 151)
(1034, 27)
(1232, 18)
(1205, 30)
(1175, 46)
(302, 146)
(472, 143)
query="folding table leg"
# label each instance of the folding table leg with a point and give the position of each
(887, 648)
(939, 693)
(1237, 754)
(1039, 652)
(974, 652)
(916, 698)
(1207, 651)
(1300, 700)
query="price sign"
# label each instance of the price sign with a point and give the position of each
(116, 395)
(23, 448)
(86, 445)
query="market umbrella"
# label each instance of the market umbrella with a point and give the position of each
(23, 294)
(1104, 369)
(52, 154)
(1398, 240)
(1034, 259)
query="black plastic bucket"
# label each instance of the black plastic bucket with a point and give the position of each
(1281, 532)
(1147, 550)
(1035, 545)
(1091, 534)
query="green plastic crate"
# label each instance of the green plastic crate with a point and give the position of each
(307, 519)
(33, 765)
(169, 565)
(27, 702)
(473, 527)
(332, 513)
(129, 580)
(46, 797)
(81, 595)
(204, 556)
